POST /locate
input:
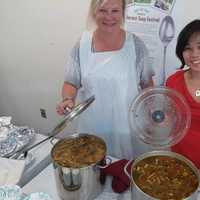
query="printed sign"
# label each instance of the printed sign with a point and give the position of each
(154, 22)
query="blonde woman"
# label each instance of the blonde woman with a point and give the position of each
(114, 66)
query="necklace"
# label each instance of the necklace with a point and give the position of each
(190, 78)
(197, 93)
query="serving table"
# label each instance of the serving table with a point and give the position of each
(45, 182)
(41, 159)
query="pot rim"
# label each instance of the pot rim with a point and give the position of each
(76, 135)
(164, 153)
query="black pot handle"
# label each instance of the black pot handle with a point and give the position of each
(107, 163)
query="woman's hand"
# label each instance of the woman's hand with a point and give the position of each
(65, 106)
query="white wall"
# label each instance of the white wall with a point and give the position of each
(35, 39)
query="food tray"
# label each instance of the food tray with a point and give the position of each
(15, 139)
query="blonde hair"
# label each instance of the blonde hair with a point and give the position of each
(94, 4)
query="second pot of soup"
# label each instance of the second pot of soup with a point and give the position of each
(77, 160)
(163, 175)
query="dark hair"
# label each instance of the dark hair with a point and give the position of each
(183, 38)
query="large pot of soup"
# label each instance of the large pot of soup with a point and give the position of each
(77, 160)
(163, 175)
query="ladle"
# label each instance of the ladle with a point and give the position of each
(166, 34)
(69, 117)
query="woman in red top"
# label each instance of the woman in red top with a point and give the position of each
(187, 82)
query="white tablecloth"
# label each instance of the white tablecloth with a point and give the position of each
(45, 182)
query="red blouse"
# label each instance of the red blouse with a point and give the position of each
(189, 146)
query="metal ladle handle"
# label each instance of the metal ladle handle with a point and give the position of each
(166, 34)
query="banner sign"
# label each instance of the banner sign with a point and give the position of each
(157, 23)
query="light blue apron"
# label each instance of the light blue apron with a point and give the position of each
(111, 77)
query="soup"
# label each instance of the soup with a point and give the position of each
(78, 152)
(165, 177)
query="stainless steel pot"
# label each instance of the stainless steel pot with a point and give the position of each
(84, 183)
(138, 194)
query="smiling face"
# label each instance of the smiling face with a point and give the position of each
(109, 15)
(191, 53)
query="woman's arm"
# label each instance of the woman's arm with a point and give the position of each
(150, 83)
(71, 82)
(68, 91)
(68, 98)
